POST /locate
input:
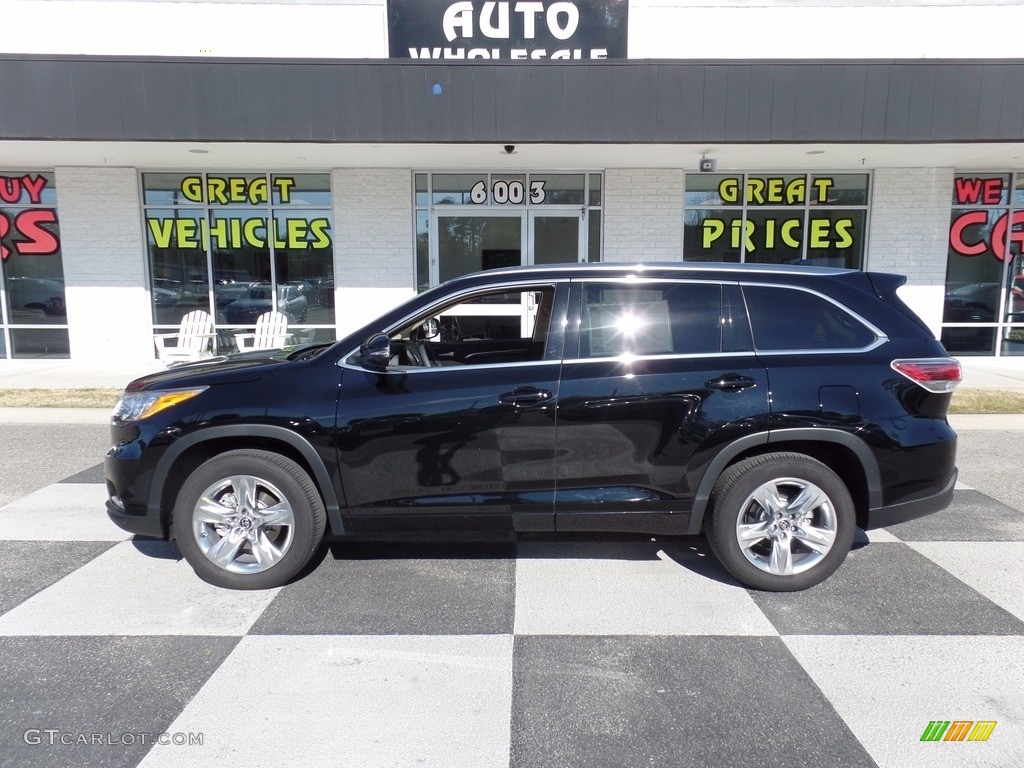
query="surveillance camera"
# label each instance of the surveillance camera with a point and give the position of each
(708, 165)
(510, 148)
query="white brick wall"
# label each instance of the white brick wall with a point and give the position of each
(643, 214)
(103, 251)
(910, 210)
(374, 264)
(909, 228)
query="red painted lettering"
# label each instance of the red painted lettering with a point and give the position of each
(999, 234)
(978, 191)
(5, 227)
(956, 233)
(34, 187)
(38, 241)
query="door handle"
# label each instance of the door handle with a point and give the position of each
(522, 397)
(730, 382)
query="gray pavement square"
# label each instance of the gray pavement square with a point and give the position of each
(680, 701)
(399, 588)
(973, 517)
(97, 701)
(887, 589)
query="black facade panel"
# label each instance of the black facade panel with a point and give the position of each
(823, 114)
(1010, 104)
(96, 98)
(166, 106)
(625, 117)
(967, 84)
(922, 102)
(716, 86)
(898, 102)
(575, 103)
(29, 90)
(851, 88)
(762, 101)
(785, 85)
(668, 107)
(691, 100)
(738, 124)
(876, 99)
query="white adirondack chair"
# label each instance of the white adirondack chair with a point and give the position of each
(194, 339)
(271, 333)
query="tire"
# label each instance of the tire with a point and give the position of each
(764, 541)
(250, 545)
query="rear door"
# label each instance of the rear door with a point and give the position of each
(658, 376)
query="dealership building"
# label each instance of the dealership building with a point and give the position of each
(330, 159)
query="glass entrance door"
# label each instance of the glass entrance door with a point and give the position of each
(469, 243)
(555, 238)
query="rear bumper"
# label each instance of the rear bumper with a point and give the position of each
(882, 517)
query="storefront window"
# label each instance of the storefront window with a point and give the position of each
(34, 319)
(471, 221)
(240, 245)
(983, 311)
(785, 218)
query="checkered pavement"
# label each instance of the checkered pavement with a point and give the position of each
(541, 651)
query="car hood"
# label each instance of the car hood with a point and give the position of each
(227, 369)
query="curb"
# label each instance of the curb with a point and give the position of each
(55, 415)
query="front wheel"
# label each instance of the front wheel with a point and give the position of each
(248, 519)
(781, 522)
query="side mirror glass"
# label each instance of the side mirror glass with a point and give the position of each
(375, 352)
(430, 329)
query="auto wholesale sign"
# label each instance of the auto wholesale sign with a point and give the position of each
(514, 30)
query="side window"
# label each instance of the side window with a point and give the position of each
(791, 319)
(508, 325)
(650, 319)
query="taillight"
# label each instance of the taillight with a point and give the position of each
(936, 374)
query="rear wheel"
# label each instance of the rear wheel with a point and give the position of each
(781, 522)
(248, 519)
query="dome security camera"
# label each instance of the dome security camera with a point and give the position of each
(510, 148)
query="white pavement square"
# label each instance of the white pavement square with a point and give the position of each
(60, 512)
(887, 689)
(126, 591)
(361, 702)
(991, 567)
(623, 588)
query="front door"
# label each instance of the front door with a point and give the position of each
(459, 430)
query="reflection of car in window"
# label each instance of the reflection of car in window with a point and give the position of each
(37, 293)
(972, 303)
(258, 298)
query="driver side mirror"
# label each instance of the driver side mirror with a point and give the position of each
(430, 328)
(375, 352)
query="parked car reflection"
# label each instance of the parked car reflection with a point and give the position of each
(37, 293)
(259, 299)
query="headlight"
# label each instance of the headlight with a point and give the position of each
(135, 406)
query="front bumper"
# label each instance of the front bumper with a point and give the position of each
(140, 525)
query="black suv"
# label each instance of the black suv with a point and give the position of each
(773, 408)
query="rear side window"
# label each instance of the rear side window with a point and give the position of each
(650, 319)
(792, 319)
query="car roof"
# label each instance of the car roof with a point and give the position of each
(721, 270)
